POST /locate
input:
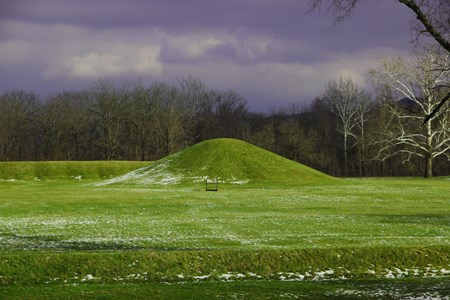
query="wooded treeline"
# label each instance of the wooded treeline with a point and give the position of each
(342, 133)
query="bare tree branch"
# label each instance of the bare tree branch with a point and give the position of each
(417, 82)
(434, 16)
(425, 20)
(437, 108)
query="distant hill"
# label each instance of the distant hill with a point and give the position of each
(231, 161)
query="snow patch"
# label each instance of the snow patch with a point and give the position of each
(202, 277)
(240, 181)
(8, 180)
(227, 276)
(88, 277)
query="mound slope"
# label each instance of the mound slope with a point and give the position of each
(229, 160)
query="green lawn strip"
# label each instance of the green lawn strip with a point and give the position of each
(174, 266)
(405, 288)
(77, 170)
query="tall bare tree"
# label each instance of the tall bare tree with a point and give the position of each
(342, 98)
(144, 104)
(107, 108)
(52, 124)
(433, 20)
(362, 111)
(17, 116)
(230, 109)
(169, 131)
(196, 103)
(416, 89)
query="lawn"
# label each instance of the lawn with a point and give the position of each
(347, 237)
(64, 215)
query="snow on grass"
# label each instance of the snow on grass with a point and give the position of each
(388, 292)
(198, 224)
(88, 277)
(318, 275)
(161, 173)
(157, 173)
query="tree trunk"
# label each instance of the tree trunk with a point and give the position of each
(363, 164)
(345, 156)
(428, 166)
(429, 156)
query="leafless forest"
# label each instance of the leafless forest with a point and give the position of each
(346, 132)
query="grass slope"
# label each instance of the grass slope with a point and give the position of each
(48, 170)
(229, 160)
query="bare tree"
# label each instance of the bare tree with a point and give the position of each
(362, 111)
(342, 99)
(52, 124)
(196, 103)
(106, 109)
(320, 123)
(144, 104)
(416, 89)
(169, 131)
(230, 109)
(17, 116)
(433, 20)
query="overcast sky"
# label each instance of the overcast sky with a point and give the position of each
(269, 51)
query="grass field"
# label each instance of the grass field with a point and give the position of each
(70, 232)
(69, 237)
(60, 215)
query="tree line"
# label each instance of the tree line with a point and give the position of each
(348, 131)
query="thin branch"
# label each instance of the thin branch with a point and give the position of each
(437, 108)
(427, 24)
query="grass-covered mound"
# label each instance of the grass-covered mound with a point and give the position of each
(228, 160)
(48, 170)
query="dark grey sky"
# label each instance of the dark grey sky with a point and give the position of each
(268, 51)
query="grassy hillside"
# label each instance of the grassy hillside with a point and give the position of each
(229, 160)
(66, 169)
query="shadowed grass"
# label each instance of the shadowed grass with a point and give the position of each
(223, 265)
(349, 289)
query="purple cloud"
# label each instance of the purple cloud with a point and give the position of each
(269, 51)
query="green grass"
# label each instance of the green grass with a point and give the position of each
(363, 213)
(264, 289)
(335, 238)
(230, 161)
(76, 170)
(355, 228)
(223, 265)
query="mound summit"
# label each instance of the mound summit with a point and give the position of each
(230, 160)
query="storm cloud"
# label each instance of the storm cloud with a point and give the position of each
(269, 51)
